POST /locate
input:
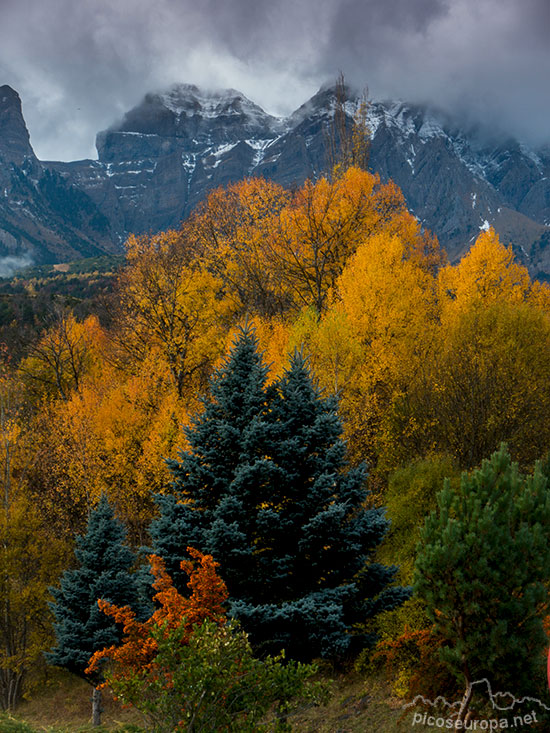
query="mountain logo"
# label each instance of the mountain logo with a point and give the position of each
(500, 701)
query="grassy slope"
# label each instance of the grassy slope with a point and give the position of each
(358, 705)
(65, 705)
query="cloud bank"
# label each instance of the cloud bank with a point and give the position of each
(10, 264)
(79, 66)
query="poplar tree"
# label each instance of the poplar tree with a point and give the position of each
(265, 488)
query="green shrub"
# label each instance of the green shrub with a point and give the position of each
(213, 683)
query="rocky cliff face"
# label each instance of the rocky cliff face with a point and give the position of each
(15, 144)
(459, 182)
(43, 217)
(165, 155)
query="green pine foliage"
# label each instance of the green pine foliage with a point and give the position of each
(267, 491)
(482, 570)
(104, 571)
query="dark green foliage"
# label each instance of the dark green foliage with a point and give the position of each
(27, 302)
(220, 443)
(104, 571)
(482, 569)
(268, 493)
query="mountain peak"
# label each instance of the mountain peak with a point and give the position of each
(189, 112)
(8, 94)
(15, 143)
(190, 100)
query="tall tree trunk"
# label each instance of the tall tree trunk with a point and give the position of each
(465, 704)
(96, 707)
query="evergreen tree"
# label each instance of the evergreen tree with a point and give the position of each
(268, 493)
(482, 569)
(219, 445)
(104, 571)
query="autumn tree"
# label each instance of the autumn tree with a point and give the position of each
(233, 228)
(58, 362)
(206, 601)
(487, 273)
(322, 227)
(347, 137)
(276, 251)
(265, 488)
(375, 334)
(485, 376)
(30, 560)
(186, 667)
(429, 359)
(487, 381)
(30, 554)
(171, 302)
(482, 570)
(104, 571)
(110, 437)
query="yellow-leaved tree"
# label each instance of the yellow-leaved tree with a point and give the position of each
(368, 344)
(30, 553)
(61, 358)
(112, 437)
(169, 301)
(233, 230)
(486, 377)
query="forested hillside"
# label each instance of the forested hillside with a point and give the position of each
(315, 426)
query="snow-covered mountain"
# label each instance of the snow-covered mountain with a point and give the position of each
(164, 156)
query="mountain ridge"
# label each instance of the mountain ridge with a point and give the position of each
(161, 159)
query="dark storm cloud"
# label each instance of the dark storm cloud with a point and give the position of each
(79, 65)
(486, 59)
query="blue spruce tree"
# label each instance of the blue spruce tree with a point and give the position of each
(268, 493)
(219, 445)
(104, 571)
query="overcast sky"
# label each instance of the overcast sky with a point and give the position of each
(78, 65)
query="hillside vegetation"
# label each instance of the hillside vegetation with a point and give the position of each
(319, 429)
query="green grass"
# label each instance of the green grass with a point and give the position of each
(9, 724)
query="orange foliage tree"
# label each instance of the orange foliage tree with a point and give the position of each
(325, 223)
(136, 654)
(109, 437)
(62, 357)
(277, 251)
(233, 230)
(187, 668)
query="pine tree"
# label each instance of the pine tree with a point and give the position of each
(104, 572)
(269, 494)
(482, 569)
